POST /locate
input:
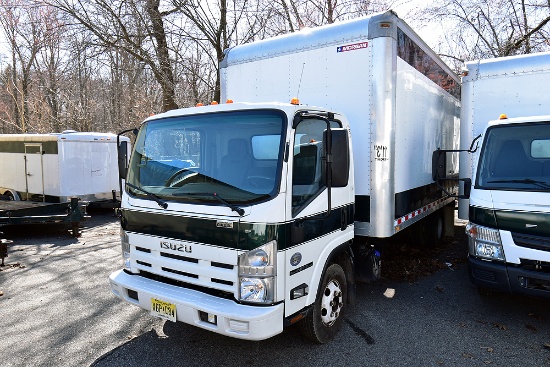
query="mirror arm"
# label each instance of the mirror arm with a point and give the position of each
(465, 180)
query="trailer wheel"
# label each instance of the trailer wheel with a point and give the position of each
(12, 195)
(325, 319)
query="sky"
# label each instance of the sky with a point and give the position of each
(430, 35)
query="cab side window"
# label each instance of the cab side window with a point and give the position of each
(308, 156)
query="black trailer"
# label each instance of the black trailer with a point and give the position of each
(14, 212)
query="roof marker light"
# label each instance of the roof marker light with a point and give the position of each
(503, 116)
(214, 103)
(229, 101)
(199, 104)
(295, 101)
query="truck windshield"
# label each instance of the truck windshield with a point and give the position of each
(515, 157)
(233, 156)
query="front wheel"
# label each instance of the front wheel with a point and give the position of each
(323, 322)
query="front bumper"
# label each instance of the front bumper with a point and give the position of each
(506, 278)
(233, 319)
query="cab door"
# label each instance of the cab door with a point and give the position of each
(321, 213)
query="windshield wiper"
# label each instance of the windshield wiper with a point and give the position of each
(163, 204)
(543, 184)
(233, 207)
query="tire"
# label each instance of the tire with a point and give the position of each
(429, 231)
(437, 223)
(12, 195)
(324, 320)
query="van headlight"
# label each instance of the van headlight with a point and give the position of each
(125, 244)
(257, 271)
(484, 242)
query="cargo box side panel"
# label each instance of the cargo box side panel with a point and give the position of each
(427, 119)
(516, 95)
(512, 85)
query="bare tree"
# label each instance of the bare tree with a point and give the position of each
(492, 28)
(133, 26)
(21, 22)
(217, 25)
(49, 63)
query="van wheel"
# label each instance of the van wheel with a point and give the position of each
(325, 319)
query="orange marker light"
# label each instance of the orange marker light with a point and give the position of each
(295, 101)
(229, 101)
(214, 103)
(503, 116)
(199, 104)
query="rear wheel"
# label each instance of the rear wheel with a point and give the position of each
(429, 231)
(324, 321)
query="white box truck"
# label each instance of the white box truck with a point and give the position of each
(242, 218)
(509, 204)
(57, 167)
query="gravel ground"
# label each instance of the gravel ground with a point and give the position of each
(56, 309)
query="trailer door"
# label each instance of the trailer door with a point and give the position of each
(34, 176)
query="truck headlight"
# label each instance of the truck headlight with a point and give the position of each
(257, 270)
(484, 242)
(125, 244)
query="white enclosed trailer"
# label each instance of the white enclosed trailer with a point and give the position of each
(509, 203)
(57, 167)
(242, 218)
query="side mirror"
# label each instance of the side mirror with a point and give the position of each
(122, 159)
(340, 158)
(439, 165)
(339, 148)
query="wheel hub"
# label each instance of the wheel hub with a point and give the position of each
(331, 303)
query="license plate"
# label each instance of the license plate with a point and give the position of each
(162, 309)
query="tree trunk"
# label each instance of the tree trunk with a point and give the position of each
(165, 68)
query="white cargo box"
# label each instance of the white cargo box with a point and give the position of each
(401, 100)
(56, 167)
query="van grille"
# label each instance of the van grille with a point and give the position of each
(532, 242)
(204, 275)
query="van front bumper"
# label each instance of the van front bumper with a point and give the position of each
(232, 319)
(507, 278)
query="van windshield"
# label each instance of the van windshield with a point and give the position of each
(515, 157)
(235, 156)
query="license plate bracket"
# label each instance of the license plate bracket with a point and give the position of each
(164, 310)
